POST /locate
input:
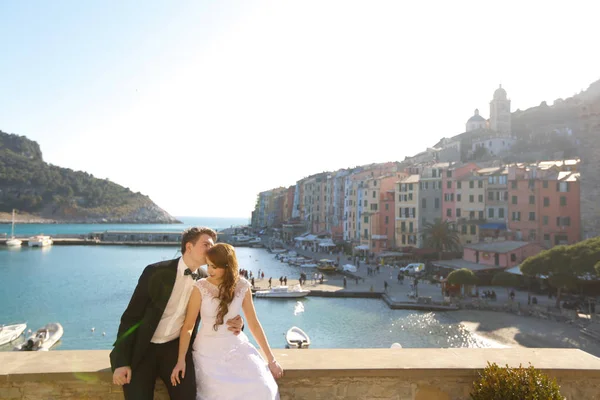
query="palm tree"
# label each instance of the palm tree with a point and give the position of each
(440, 236)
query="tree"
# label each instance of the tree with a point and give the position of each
(564, 265)
(462, 277)
(440, 236)
(505, 279)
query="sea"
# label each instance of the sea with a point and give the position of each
(86, 289)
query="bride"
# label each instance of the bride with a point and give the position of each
(227, 366)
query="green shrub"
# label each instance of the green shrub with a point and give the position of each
(499, 383)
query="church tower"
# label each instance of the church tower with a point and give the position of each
(500, 112)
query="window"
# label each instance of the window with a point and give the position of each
(563, 201)
(471, 214)
(545, 186)
(531, 199)
(481, 215)
(473, 229)
(531, 184)
(516, 215)
(490, 213)
(365, 203)
(513, 184)
(463, 229)
(387, 207)
(366, 220)
(366, 233)
(471, 198)
(449, 174)
(501, 213)
(532, 216)
(532, 235)
(410, 186)
(403, 239)
(458, 212)
(514, 199)
(562, 187)
(480, 198)
(480, 184)
(490, 196)
(546, 202)
(387, 219)
(458, 184)
(471, 184)
(410, 227)
(546, 237)
(513, 257)
(545, 220)
(403, 226)
(449, 184)
(374, 193)
(502, 179)
(448, 212)
(423, 203)
(458, 197)
(437, 203)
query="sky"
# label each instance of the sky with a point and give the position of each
(201, 105)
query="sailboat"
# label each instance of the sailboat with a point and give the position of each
(13, 241)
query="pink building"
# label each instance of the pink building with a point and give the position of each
(504, 254)
(544, 203)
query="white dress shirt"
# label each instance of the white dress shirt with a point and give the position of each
(173, 317)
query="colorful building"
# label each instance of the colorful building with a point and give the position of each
(407, 212)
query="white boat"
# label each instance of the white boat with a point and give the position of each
(39, 241)
(278, 251)
(284, 292)
(296, 338)
(308, 265)
(8, 333)
(349, 268)
(43, 339)
(13, 241)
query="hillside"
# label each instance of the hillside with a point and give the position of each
(52, 193)
(568, 128)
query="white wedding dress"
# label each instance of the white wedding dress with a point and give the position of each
(228, 367)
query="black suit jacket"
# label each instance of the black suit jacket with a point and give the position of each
(145, 309)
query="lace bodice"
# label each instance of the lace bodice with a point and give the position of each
(210, 305)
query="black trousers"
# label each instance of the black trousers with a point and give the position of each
(159, 361)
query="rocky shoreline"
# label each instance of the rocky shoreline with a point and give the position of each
(25, 218)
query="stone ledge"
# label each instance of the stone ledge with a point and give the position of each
(317, 373)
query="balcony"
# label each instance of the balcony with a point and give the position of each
(411, 374)
(379, 237)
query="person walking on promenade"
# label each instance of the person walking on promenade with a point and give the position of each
(270, 281)
(345, 283)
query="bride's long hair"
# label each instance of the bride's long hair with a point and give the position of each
(222, 255)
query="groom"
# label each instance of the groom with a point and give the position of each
(148, 338)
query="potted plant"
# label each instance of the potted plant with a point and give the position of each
(506, 383)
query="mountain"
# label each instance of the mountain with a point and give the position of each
(48, 192)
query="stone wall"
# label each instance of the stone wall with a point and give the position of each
(400, 374)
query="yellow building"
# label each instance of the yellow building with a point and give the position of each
(407, 212)
(470, 207)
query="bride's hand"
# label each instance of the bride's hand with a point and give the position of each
(179, 367)
(276, 369)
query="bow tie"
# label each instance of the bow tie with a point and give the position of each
(195, 276)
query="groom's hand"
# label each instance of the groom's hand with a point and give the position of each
(122, 376)
(235, 325)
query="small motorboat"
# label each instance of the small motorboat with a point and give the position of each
(326, 265)
(40, 241)
(43, 339)
(296, 338)
(284, 292)
(8, 333)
